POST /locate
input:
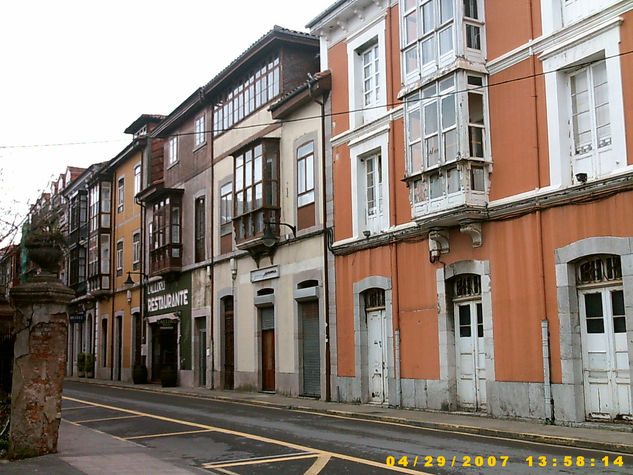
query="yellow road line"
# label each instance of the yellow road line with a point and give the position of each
(86, 421)
(228, 472)
(76, 407)
(318, 465)
(258, 461)
(245, 435)
(167, 434)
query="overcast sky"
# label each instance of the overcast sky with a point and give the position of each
(81, 71)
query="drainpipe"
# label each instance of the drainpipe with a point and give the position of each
(547, 381)
(209, 332)
(395, 304)
(113, 214)
(326, 243)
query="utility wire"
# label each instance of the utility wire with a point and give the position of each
(346, 112)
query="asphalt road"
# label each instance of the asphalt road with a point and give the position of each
(240, 438)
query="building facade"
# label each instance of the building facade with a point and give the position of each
(484, 262)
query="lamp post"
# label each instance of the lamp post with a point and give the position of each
(139, 371)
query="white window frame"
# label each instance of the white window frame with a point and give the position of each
(590, 45)
(173, 150)
(306, 174)
(136, 248)
(137, 179)
(119, 257)
(199, 132)
(375, 143)
(374, 33)
(120, 194)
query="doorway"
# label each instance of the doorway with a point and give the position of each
(310, 347)
(470, 357)
(267, 316)
(201, 351)
(164, 350)
(229, 343)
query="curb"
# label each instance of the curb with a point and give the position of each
(457, 428)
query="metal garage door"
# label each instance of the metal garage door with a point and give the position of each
(311, 355)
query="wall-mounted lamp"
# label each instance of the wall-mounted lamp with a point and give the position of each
(129, 280)
(269, 238)
(367, 233)
(128, 294)
(581, 177)
(233, 265)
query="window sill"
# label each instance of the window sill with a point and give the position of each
(171, 165)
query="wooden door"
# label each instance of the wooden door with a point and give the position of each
(268, 360)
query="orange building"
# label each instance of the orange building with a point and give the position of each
(480, 163)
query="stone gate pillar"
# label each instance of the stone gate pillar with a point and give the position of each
(41, 327)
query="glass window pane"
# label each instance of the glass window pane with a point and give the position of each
(258, 169)
(411, 60)
(475, 108)
(430, 118)
(428, 17)
(446, 10)
(473, 39)
(301, 176)
(411, 28)
(464, 321)
(470, 9)
(476, 141)
(452, 180)
(617, 302)
(446, 40)
(450, 145)
(477, 179)
(432, 151)
(414, 126)
(428, 50)
(594, 313)
(415, 152)
(436, 185)
(448, 111)
(309, 172)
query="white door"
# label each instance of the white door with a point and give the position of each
(377, 356)
(471, 356)
(605, 354)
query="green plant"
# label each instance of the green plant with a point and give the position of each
(89, 362)
(45, 243)
(81, 362)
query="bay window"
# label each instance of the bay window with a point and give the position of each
(256, 193)
(447, 141)
(165, 238)
(435, 32)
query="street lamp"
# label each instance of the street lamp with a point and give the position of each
(269, 238)
(129, 280)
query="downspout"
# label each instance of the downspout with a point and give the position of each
(113, 192)
(326, 244)
(395, 300)
(138, 357)
(210, 338)
(547, 379)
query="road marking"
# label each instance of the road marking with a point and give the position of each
(86, 421)
(166, 434)
(245, 435)
(318, 465)
(224, 470)
(76, 407)
(459, 429)
(258, 461)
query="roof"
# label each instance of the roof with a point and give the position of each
(142, 120)
(325, 13)
(204, 93)
(317, 85)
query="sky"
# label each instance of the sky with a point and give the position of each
(80, 71)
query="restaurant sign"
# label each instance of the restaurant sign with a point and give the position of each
(164, 296)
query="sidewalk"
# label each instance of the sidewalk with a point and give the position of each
(598, 436)
(86, 451)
